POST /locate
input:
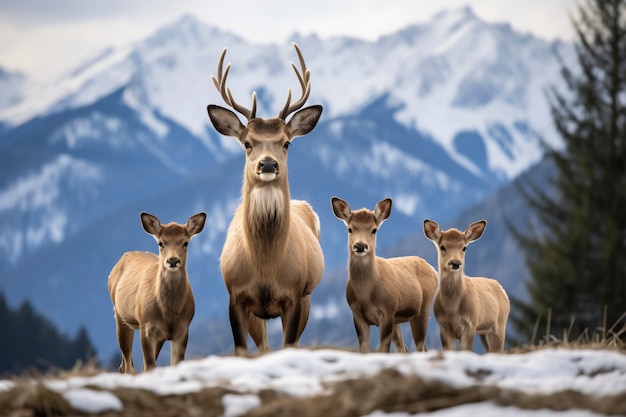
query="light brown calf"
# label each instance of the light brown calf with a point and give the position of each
(466, 306)
(152, 293)
(384, 292)
(272, 259)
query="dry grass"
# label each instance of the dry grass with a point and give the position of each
(388, 391)
(607, 338)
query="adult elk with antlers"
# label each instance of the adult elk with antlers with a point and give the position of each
(272, 259)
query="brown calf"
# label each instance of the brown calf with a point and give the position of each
(152, 293)
(466, 306)
(384, 292)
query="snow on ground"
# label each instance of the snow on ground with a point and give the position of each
(305, 373)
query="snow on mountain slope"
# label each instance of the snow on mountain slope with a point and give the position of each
(435, 116)
(453, 74)
(12, 85)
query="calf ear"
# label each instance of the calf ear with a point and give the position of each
(225, 121)
(432, 230)
(341, 209)
(195, 224)
(304, 121)
(150, 223)
(382, 210)
(475, 230)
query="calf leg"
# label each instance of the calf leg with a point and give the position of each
(178, 346)
(362, 333)
(419, 326)
(125, 337)
(386, 332)
(398, 340)
(148, 347)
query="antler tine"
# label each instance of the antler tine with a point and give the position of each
(305, 84)
(220, 85)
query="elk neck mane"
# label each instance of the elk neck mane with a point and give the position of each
(267, 215)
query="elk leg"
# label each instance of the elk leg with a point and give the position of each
(485, 342)
(148, 347)
(398, 340)
(178, 345)
(386, 332)
(239, 326)
(467, 339)
(447, 341)
(362, 333)
(125, 337)
(419, 326)
(291, 323)
(305, 307)
(496, 342)
(258, 331)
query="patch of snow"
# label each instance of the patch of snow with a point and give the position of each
(302, 372)
(90, 401)
(235, 405)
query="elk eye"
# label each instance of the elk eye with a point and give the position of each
(286, 145)
(374, 231)
(442, 248)
(247, 145)
(349, 230)
(185, 244)
(464, 247)
(160, 244)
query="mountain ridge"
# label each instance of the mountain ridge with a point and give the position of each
(426, 127)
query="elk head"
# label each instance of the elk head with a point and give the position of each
(452, 244)
(173, 238)
(265, 140)
(362, 224)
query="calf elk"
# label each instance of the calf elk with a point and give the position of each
(272, 259)
(152, 293)
(384, 292)
(466, 306)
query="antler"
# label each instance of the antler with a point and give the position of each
(220, 84)
(305, 84)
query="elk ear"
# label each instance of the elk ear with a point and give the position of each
(341, 209)
(150, 223)
(475, 230)
(432, 230)
(195, 224)
(382, 210)
(303, 121)
(225, 121)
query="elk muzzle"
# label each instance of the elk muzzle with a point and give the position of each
(360, 248)
(268, 169)
(172, 263)
(454, 264)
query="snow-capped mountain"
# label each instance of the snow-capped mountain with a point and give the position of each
(13, 85)
(436, 116)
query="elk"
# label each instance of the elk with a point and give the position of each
(384, 292)
(466, 306)
(152, 293)
(272, 259)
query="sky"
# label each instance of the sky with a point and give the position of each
(43, 38)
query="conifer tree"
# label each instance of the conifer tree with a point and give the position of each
(576, 251)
